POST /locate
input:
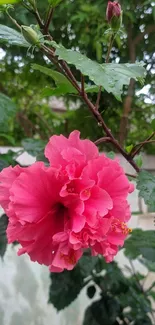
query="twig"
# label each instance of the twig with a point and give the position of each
(130, 175)
(101, 140)
(82, 83)
(48, 20)
(135, 151)
(13, 20)
(98, 98)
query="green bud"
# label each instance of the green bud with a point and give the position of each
(116, 22)
(30, 35)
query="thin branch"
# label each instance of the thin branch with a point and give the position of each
(110, 48)
(13, 20)
(101, 140)
(140, 145)
(98, 98)
(82, 83)
(130, 175)
(48, 20)
(85, 98)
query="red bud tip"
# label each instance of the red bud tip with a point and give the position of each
(113, 10)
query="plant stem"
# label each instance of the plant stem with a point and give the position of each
(48, 20)
(135, 151)
(98, 98)
(110, 47)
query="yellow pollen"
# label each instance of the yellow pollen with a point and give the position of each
(68, 259)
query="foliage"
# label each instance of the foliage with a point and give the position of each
(146, 187)
(117, 292)
(141, 243)
(3, 239)
(111, 77)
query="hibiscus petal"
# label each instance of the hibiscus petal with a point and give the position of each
(100, 200)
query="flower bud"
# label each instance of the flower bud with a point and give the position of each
(30, 35)
(114, 15)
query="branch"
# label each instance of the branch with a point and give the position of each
(63, 65)
(48, 20)
(98, 98)
(149, 29)
(135, 151)
(82, 83)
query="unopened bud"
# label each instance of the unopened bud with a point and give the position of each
(30, 35)
(114, 15)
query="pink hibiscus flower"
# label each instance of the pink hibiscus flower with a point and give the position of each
(78, 202)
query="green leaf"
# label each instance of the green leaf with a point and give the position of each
(110, 154)
(138, 160)
(146, 187)
(5, 2)
(129, 148)
(149, 264)
(65, 287)
(8, 137)
(153, 121)
(7, 111)
(87, 264)
(41, 157)
(111, 77)
(7, 159)
(62, 83)
(143, 321)
(11, 36)
(33, 146)
(63, 86)
(104, 311)
(54, 3)
(141, 243)
(3, 238)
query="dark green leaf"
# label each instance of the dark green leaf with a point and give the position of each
(102, 312)
(7, 159)
(63, 86)
(3, 238)
(41, 157)
(62, 83)
(153, 122)
(146, 187)
(150, 265)
(12, 37)
(111, 77)
(33, 146)
(87, 264)
(141, 243)
(143, 321)
(65, 287)
(7, 110)
(54, 3)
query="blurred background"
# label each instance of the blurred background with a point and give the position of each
(29, 115)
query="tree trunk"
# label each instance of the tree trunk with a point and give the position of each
(127, 106)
